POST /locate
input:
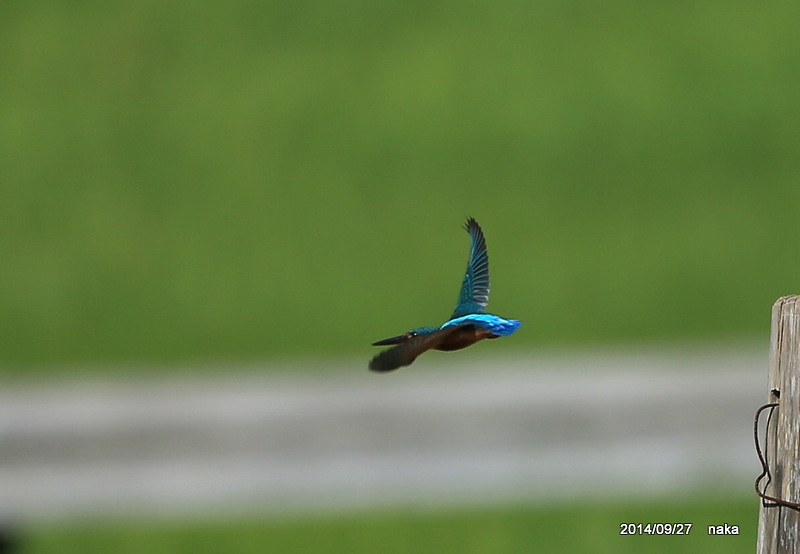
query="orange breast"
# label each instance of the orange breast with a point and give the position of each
(463, 337)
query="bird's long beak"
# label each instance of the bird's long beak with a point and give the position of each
(393, 340)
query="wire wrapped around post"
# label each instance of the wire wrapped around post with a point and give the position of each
(766, 500)
(778, 486)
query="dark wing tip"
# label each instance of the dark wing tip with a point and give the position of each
(391, 359)
(380, 364)
(471, 224)
(474, 229)
(405, 353)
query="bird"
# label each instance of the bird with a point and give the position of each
(468, 324)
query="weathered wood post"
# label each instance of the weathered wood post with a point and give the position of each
(779, 525)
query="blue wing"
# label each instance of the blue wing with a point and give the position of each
(474, 294)
(496, 325)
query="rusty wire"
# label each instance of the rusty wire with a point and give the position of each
(766, 500)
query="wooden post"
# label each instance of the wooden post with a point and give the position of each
(779, 526)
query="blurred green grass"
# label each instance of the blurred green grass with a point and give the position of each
(190, 181)
(592, 528)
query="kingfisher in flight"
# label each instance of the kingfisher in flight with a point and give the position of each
(468, 324)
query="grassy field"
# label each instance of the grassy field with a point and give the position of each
(189, 181)
(590, 528)
(198, 182)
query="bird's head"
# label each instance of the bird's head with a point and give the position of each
(408, 335)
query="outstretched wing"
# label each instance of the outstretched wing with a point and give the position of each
(405, 353)
(474, 294)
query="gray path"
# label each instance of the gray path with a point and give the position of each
(547, 427)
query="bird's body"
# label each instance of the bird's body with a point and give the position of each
(468, 324)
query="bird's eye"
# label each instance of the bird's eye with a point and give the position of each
(411, 334)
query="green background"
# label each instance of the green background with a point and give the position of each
(186, 181)
(200, 182)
